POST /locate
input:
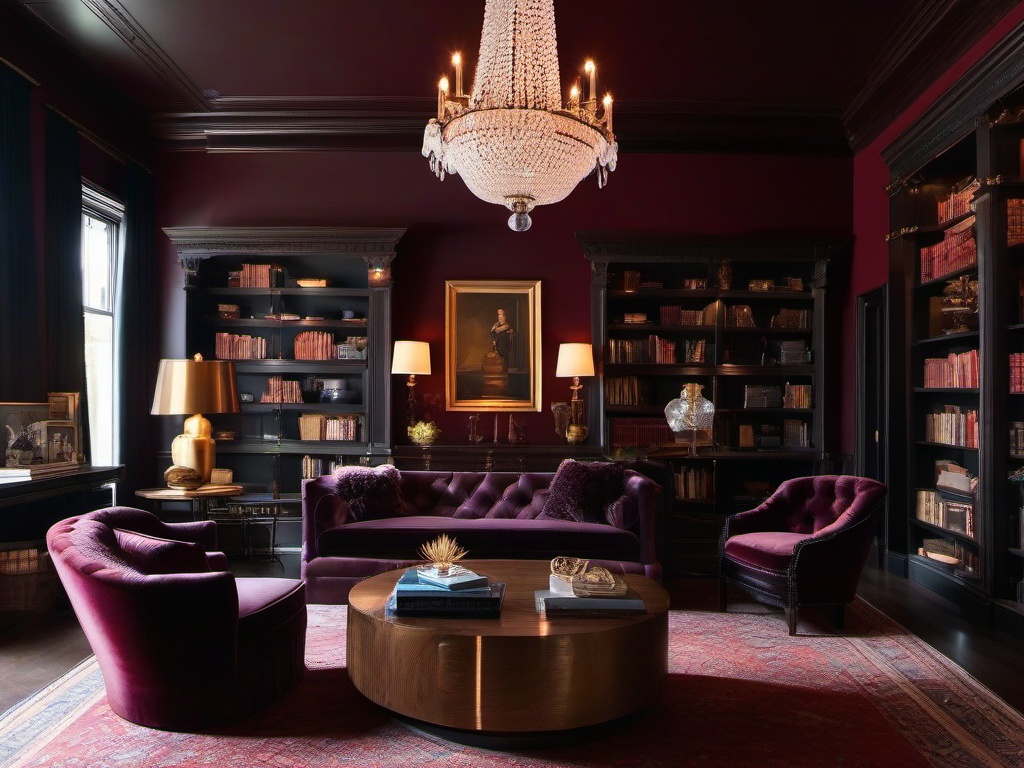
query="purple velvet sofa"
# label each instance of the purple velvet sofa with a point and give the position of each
(352, 533)
(183, 645)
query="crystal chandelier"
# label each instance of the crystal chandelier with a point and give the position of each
(512, 140)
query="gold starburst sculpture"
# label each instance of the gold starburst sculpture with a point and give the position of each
(443, 552)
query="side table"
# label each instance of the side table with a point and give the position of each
(201, 499)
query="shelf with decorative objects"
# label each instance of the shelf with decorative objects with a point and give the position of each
(737, 322)
(305, 315)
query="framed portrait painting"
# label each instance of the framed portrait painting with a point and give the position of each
(492, 356)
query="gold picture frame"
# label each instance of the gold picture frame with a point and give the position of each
(492, 365)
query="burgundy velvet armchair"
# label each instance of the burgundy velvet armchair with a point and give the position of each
(804, 546)
(182, 644)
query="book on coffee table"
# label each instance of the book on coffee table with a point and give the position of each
(445, 604)
(457, 579)
(558, 605)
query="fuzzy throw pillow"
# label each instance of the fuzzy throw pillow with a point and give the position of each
(372, 493)
(581, 490)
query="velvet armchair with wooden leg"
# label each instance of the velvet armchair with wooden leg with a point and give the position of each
(805, 545)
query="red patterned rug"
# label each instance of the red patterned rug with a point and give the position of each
(741, 692)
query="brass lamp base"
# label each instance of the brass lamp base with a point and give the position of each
(576, 434)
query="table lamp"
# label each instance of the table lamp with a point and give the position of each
(411, 357)
(575, 359)
(195, 387)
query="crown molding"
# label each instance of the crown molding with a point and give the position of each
(931, 36)
(303, 125)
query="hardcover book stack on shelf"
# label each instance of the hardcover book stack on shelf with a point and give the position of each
(1014, 222)
(626, 390)
(694, 483)
(1017, 372)
(460, 594)
(232, 346)
(957, 250)
(1017, 438)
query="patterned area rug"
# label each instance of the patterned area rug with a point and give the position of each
(741, 692)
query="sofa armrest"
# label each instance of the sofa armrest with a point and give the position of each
(322, 509)
(646, 496)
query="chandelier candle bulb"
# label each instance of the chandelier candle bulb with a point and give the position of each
(574, 98)
(608, 112)
(591, 69)
(442, 94)
(457, 61)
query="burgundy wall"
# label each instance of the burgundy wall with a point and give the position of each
(453, 235)
(871, 212)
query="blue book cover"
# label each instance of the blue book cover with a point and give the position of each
(460, 580)
(411, 584)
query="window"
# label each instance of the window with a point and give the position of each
(101, 221)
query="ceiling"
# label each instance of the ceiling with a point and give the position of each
(228, 75)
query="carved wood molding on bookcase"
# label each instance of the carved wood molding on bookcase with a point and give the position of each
(931, 37)
(955, 113)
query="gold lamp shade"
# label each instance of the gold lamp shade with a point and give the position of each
(195, 387)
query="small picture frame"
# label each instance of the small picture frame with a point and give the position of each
(66, 407)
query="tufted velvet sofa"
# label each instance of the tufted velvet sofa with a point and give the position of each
(491, 514)
(183, 645)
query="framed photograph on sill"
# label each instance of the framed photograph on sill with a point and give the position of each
(492, 355)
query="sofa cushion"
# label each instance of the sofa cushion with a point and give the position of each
(264, 604)
(770, 551)
(371, 492)
(582, 490)
(152, 555)
(484, 538)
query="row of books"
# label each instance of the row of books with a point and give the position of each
(955, 516)
(694, 483)
(957, 250)
(952, 425)
(253, 276)
(796, 433)
(739, 316)
(653, 349)
(1017, 372)
(315, 345)
(281, 391)
(762, 396)
(1017, 438)
(792, 353)
(792, 318)
(319, 426)
(694, 350)
(626, 390)
(798, 396)
(959, 201)
(19, 474)
(674, 315)
(952, 553)
(424, 593)
(1014, 222)
(764, 437)
(313, 467)
(956, 370)
(628, 432)
(232, 346)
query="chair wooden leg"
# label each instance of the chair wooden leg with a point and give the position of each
(791, 614)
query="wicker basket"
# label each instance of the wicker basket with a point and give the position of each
(28, 581)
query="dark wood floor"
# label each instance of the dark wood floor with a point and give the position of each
(36, 651)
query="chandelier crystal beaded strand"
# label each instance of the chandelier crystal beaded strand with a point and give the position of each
(512, 140)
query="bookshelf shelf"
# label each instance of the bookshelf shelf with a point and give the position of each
(764, 346)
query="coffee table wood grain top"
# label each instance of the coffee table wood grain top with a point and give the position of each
(518, 673)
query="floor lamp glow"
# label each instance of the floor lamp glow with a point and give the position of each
(194, 387)
(575, 359)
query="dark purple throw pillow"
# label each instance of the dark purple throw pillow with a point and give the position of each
(372, 493)
(580, 491)
(152, 555)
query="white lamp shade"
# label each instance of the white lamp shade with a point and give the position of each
(575, 360)
(411, 357)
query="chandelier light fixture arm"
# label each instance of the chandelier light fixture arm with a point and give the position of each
(512, 139)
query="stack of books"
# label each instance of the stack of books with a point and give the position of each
(560, 600)
(462, 594)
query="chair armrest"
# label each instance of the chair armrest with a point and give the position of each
(827, 567)
(769, 515)
(218, 561)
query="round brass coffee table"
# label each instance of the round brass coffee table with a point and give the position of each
(517, 674)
